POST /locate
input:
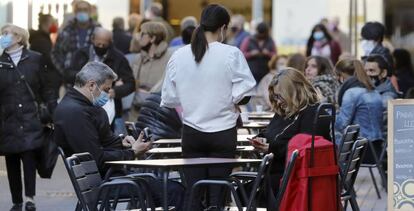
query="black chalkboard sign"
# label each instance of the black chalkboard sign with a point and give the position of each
(401, 155)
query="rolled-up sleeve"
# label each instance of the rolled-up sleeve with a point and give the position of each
(169, 97)
(242, 78)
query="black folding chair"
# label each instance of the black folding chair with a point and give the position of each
(91, 191)
(286, 178)
(350, 172)
(345, 146)
(325, 112)
(378, 165)
(231, 185)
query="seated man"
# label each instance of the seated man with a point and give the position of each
(378, 70)
(81, 125)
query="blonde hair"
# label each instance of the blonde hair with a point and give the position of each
(295, 90)
(155, 29)
(354, 67)
(19, 32)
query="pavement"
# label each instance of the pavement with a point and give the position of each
(58, 194)
(51, 194)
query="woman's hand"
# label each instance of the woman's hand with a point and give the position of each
(260, 144)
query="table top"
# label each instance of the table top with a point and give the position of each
(183, 162)
(255, 124)
(261, 115)
(240, 138)
(178, 150)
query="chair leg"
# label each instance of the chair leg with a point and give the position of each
(375, 182)
(354, 203)
(345, 204)
(78, 207)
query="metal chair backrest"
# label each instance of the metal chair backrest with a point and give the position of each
(286, 177)
(262, 172)
(345, 146)
(354, 162)
(85, 178)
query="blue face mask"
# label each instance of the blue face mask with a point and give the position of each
(318, 35)
(6, 41)
(82, 17)
(101, 100)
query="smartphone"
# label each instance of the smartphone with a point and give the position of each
(147, 134)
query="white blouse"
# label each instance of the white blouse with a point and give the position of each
(208, 91)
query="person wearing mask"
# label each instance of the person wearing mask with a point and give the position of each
(22, 75)
(320, 43)
(403, 70)
(372, 34)
(276, 63)
(150, 64)
(258, 50)
(359, 104)
(295, 102)
(121, 38)
(81, 125)
(75, 35)
(189, 21)
(319, 71)
(377, 69)
(41, 42)
(103, 50)
(238, 34)
(154, 13)
(208, 79)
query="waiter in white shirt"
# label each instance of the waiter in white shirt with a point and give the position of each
(208, 79)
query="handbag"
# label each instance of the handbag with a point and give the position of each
(47, 154)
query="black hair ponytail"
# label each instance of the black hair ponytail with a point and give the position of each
(213, 17)
(199, 43)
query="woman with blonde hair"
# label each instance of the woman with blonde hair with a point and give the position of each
(24, 84)
(295, 102)
(359, 103)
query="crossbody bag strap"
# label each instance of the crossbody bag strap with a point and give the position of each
(23, 78)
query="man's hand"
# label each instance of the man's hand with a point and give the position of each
(128, 141)
(111, 93)
(140, 147)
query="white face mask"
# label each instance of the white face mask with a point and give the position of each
(367, 46)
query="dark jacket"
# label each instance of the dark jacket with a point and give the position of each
(115, 60)
(21, 129)
(122, 40)
(162, 121)
(279, 140)
(82, 127)
(258, 63)
(40, 41)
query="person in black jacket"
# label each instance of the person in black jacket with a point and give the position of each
(163, 122)
(21, 131)
(103, 50)
(295, 102)
(122, 39)
(40, 41)
(81, 125)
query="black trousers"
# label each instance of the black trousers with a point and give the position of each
(15, 177)
(197, 144)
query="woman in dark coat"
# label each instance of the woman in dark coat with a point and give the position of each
(21, 130)
(295, 102)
